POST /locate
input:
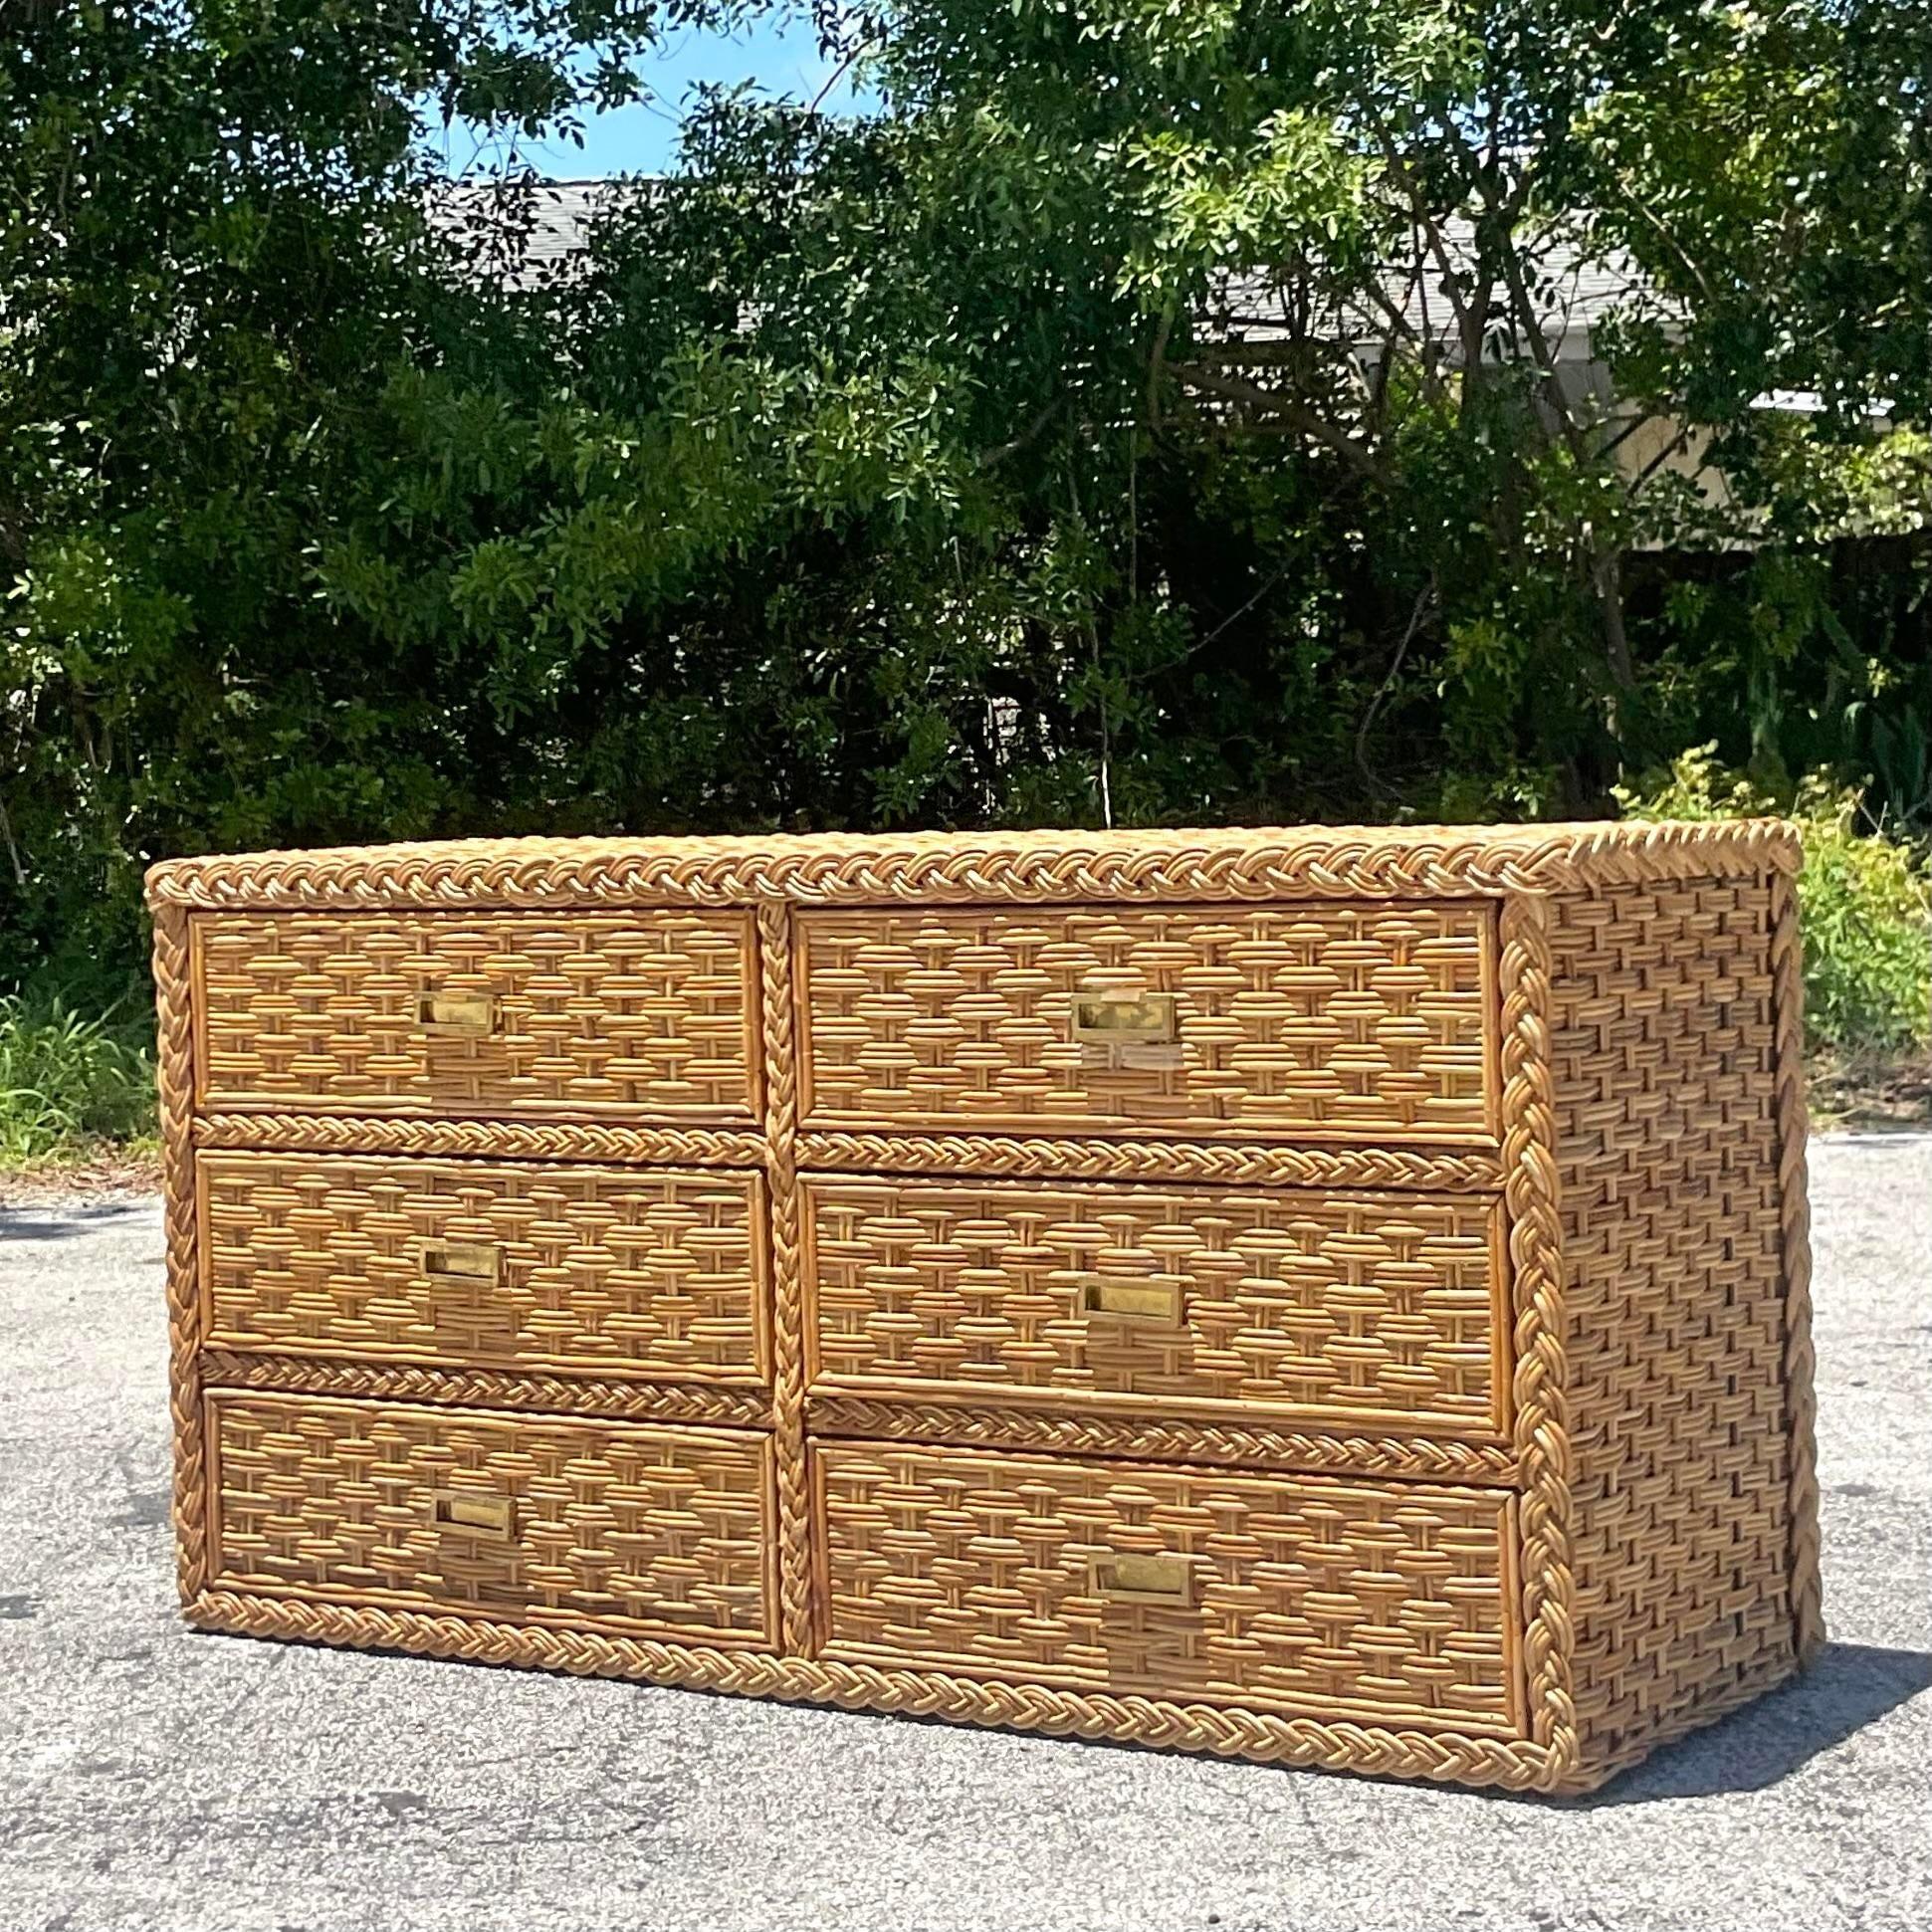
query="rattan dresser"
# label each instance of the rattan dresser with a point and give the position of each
(1334, 1297)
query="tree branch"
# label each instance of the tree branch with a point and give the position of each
(1468, 323)
(12, 850)
(1298, 415)
(1424, 600)
(1157, 363)
(1000, 451)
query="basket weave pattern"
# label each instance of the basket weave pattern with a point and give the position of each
(1664, 1052)
(648, 1015)
(1302, 1593)
(466, 1263)
(1339, 1306)
(651, 1529)
(1328, 1298)
(1328, 1021)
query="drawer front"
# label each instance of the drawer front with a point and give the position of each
(1342, 1023)
(485, 1265)
(659, 1530)
(643, 1015)
(1392, 1604)
(1353, 1311)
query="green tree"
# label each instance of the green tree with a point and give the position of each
(1148, 412)
(213, 262)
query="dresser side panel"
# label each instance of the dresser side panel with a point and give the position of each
(1663, 1046)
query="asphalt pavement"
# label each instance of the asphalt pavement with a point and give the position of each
(154, 1778)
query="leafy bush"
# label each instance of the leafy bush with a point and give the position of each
(65, 1079)
(1866, 902)
(1077, 436)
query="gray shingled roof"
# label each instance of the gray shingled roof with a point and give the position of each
(1252, 307)
(550, 242)
(1574, 288)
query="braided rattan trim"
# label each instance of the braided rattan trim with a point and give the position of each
(1209, 1442)
(795, 1619)
(175, 1056)
(1277, 1167)
(1787, 1005)
(518, 1140)
(1448, 1758)
(1329, 862)
(1536, 1250)
(486, 1388)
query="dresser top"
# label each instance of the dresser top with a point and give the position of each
(1038, 867)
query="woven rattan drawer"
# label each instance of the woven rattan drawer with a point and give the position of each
(661, 1531)
(645, 1015)
(485, 1265)
(1357, 1311)
(1389, 1602)
(1318, 1022)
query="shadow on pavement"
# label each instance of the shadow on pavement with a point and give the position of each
(1850, 1687)
(63, 1224)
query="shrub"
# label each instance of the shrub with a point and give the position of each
(1866, 902)
(67, 1080)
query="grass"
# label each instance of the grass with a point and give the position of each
(70, 1082)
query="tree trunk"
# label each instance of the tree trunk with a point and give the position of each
(1608, 572)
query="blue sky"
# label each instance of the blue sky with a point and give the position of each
(782, 56)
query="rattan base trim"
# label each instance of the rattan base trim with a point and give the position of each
(1258, 1166)
(1446, 1757)
(978, 1426)
(485, 1389)
(500, 1139)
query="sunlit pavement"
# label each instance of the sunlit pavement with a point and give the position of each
(151, 1777)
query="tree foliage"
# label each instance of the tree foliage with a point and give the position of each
(1148, 410)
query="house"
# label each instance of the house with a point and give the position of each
(1427, 306)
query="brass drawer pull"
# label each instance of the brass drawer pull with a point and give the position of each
(1124, 1019)
(457, 1015)
(463, 1509)
(1143, 1579)
(460, 1261)
(1144, 1303)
